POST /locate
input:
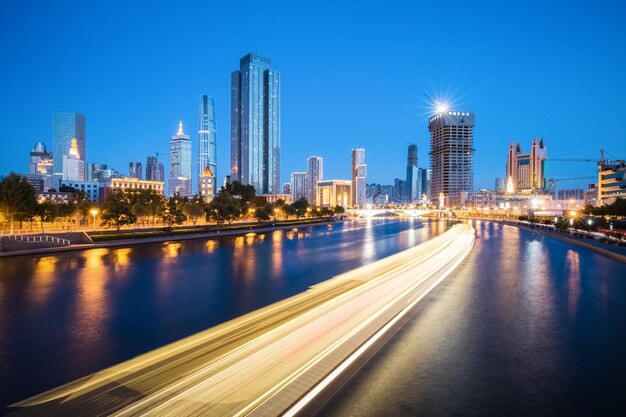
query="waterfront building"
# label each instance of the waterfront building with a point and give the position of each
(314, 175)
(207, 184)
(359, 174)
(91, 189)
(451, 152)
(272, 198)
(180, 164)
(207, 140)
(108, 186)
(73, 166)
(332, 193)
(67, 126)
(287, 188)
(134, 170)
(255, 124)
(611, 181)
(154, 170)
(425, 175)
(298, 185)
(413, 180)
(525, 172)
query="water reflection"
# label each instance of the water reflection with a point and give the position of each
(573, 280)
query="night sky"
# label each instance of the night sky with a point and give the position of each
(352, 74)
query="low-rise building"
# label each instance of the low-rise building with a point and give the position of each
(90, 188)
(332, 193)
(272, 198)
(107, 187)
(611, 181)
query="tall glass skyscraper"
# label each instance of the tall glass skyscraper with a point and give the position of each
(255, 124)
(207, 142)
(359, 173)
(180, 164)
(314, 175)
(413, 181)
(67, 125)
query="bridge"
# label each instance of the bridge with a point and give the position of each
(380, 212)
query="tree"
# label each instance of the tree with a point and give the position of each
(263, 213)
(289, 210)
(17, 199)
(173, 213)
(149, 203)
(223, 208)
(194, 208)
(301, 205)
(68, 210)
(47, 211)
(339, 210)
(117, 210)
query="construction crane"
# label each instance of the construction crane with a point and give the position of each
(595, 161)
(573, 178)
(157, 153)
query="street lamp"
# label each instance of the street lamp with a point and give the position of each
(94, 212)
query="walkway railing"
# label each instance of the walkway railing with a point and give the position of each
(40, 238)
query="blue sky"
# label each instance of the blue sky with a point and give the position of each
(352, 73)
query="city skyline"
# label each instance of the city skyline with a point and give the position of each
(480, 85)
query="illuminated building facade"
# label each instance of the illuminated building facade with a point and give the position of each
(359, 175)
(525, 172)
(272, 198)
(180, 164)
(255, 124)
(107, 187)
(298, 185)
(451, 152)
(73, 166)
(206, 187)
(67, 126)
(41, 165)
(611, 181)
(332, 193)
(207, 142)
(313, 176)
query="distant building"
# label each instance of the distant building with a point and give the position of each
(73, 166)
(451, 152)
(67, 126)
(154, 170)
(426, 181)
(272, 198)
(525, 172)
(314, 175)
(255, 124)
(359, 175)
(399, 191)
(287, 188)
(207, 184)
(379, 194)
(298, 185)
(207, 142)
(576, 194)
(134, 170)
(107, 187)
(56, 196)
(99, 172)
(90, 188)
(36, 181)
(500, 185)
(611, 181)
(413, 180)
(180, 164)
(332, 193)
(41, 165)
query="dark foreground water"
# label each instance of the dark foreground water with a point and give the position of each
(526, 326)
(71, 314)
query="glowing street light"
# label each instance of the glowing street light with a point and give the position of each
(94, 212)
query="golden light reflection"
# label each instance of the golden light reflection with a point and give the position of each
(172, 249)
(120, 256)
(93, 257)
(211, 245)
(277, 253)
(239, 242)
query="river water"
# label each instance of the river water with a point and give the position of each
(526, 326)
(68, 315)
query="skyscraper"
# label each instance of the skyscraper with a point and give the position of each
(67, 125)
(413, 180)
(154, 170)
(180, 164)
(298, 185)
(425, 180)
(314, 175)
(255, 124)
(451, 153)
(134, 170)
(207, 142)
(359, 174)
(526, 171)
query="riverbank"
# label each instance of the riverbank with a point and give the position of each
(610, 251)
(119, 240)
